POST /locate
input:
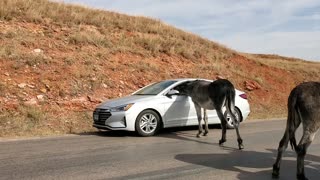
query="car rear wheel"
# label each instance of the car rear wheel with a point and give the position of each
(147, 123)
(229, 120)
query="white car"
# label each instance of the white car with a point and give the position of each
(158, 106)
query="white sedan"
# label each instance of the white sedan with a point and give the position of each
(158, 106)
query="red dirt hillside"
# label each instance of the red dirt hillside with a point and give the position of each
(58, 61)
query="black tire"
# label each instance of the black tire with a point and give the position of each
(147, 123)
(229, 120)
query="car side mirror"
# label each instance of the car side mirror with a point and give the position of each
(172, 92)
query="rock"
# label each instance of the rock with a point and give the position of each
(94, 99)
(249, 88)
(79, 100)
(22, 85)
(220, 77)
(47, 87)
(43, 90)
(6, 74)
(31, 86)
(40, 97)
(37, 51)
(251, 85)
(31, 102)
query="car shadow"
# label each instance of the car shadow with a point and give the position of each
(253, 164)
(110, 133)
(174, 132)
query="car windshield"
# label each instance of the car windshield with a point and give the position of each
(155, 88)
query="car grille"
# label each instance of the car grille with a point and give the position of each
(103, 115)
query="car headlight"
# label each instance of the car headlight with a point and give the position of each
(122, 108)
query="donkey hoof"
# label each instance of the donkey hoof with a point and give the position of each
(275, 174)
(301, 177)
(275, 171)
(241, 146)
(221, 141)
(205, 134)
(198, 136)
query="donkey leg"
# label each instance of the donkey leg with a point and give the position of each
(205, 118)
(230, 109)
(301, 151)
(283, 144)
(236, 126)
(240, 141)
(223, 126)
(289, 135)
(198, 110)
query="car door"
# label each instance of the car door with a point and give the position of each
(179, 111)
(213, 117)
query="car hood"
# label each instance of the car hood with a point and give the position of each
(125, 100)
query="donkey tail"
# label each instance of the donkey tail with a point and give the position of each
(294, 120)
(230, 102)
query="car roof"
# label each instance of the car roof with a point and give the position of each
(187, 79)
(192, 79)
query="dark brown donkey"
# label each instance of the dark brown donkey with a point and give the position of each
(213, 95)
(303, 107)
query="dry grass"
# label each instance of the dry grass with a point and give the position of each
(23, 120)
(35, 121)
(134, 33)
(2, 88)
(289, 64)
(89, 38)
(144, 66)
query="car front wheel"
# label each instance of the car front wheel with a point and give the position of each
(230, 124)
(147, 123)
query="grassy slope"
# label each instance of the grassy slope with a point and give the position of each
(100, 54)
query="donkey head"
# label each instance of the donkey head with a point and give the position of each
(185, 88)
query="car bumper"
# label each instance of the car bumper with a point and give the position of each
(245, 111)
(104, 119)
(245, 115)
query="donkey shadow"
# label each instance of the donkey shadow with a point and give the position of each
(186, 134)
(253, 164)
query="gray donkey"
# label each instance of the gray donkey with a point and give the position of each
(212, 95)
(303, 107)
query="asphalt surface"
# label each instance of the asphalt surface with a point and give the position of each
(172, 154)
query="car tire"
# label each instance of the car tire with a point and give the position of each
(147, 123)
(229, 120)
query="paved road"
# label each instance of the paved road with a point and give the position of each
(173, 154)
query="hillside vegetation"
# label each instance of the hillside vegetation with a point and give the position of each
(58, 61)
